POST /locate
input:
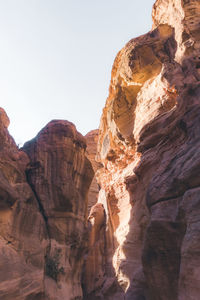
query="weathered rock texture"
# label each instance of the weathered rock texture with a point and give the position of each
(149, 141)
(43, 210)
(60, 176)
(141, 240)
(22, 228)
(91, 151)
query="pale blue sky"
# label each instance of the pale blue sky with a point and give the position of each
(56, 58)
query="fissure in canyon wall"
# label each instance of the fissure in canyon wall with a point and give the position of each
(131, 231)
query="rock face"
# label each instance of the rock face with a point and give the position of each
(140, 240)
(43, 212)
(149, 145)
(22, 229)
(91, 151)
(60, 176)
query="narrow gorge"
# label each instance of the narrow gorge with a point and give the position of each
(113, 215)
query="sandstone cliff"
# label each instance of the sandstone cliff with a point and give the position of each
(91, 151)
(43, 213)
(138, 237)
(149, 146)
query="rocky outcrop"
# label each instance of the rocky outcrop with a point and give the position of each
(43, 212)
(23, 235)
(149, 146)
(140, 239)
(60, 176)
(91, 151)
(95, 259)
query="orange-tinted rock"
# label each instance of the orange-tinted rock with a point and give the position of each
(4, 118)
(43, 210)
(91, 151)
(149, 145)
(94, 265)
(60, 176)
(22, 229)
(141, 239)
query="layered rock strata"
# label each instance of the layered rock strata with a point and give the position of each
(149, 146)
(141, 239)
(43, 212)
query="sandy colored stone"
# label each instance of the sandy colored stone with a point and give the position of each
(22, 231)
(60, 175)
(4, 118)
(43, 211)
(149, 146)
(91, 151)
(140, 240)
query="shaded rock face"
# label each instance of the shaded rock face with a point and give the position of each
(140, 240)
(43, 210)
(149, 146)
(95, 260)
(22, 228)
(60, 176)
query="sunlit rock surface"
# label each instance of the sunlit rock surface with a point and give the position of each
(91, 151)
(43, 210)
(140, 239)
(149, 145)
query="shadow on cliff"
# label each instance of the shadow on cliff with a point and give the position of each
(157, 227)
(98, 278)
(152, 247)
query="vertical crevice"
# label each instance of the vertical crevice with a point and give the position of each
(45, 218)
(39, 202)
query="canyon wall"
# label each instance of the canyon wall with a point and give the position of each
(121, 221)
(149, 146)
(91, 151)
(43, 211)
